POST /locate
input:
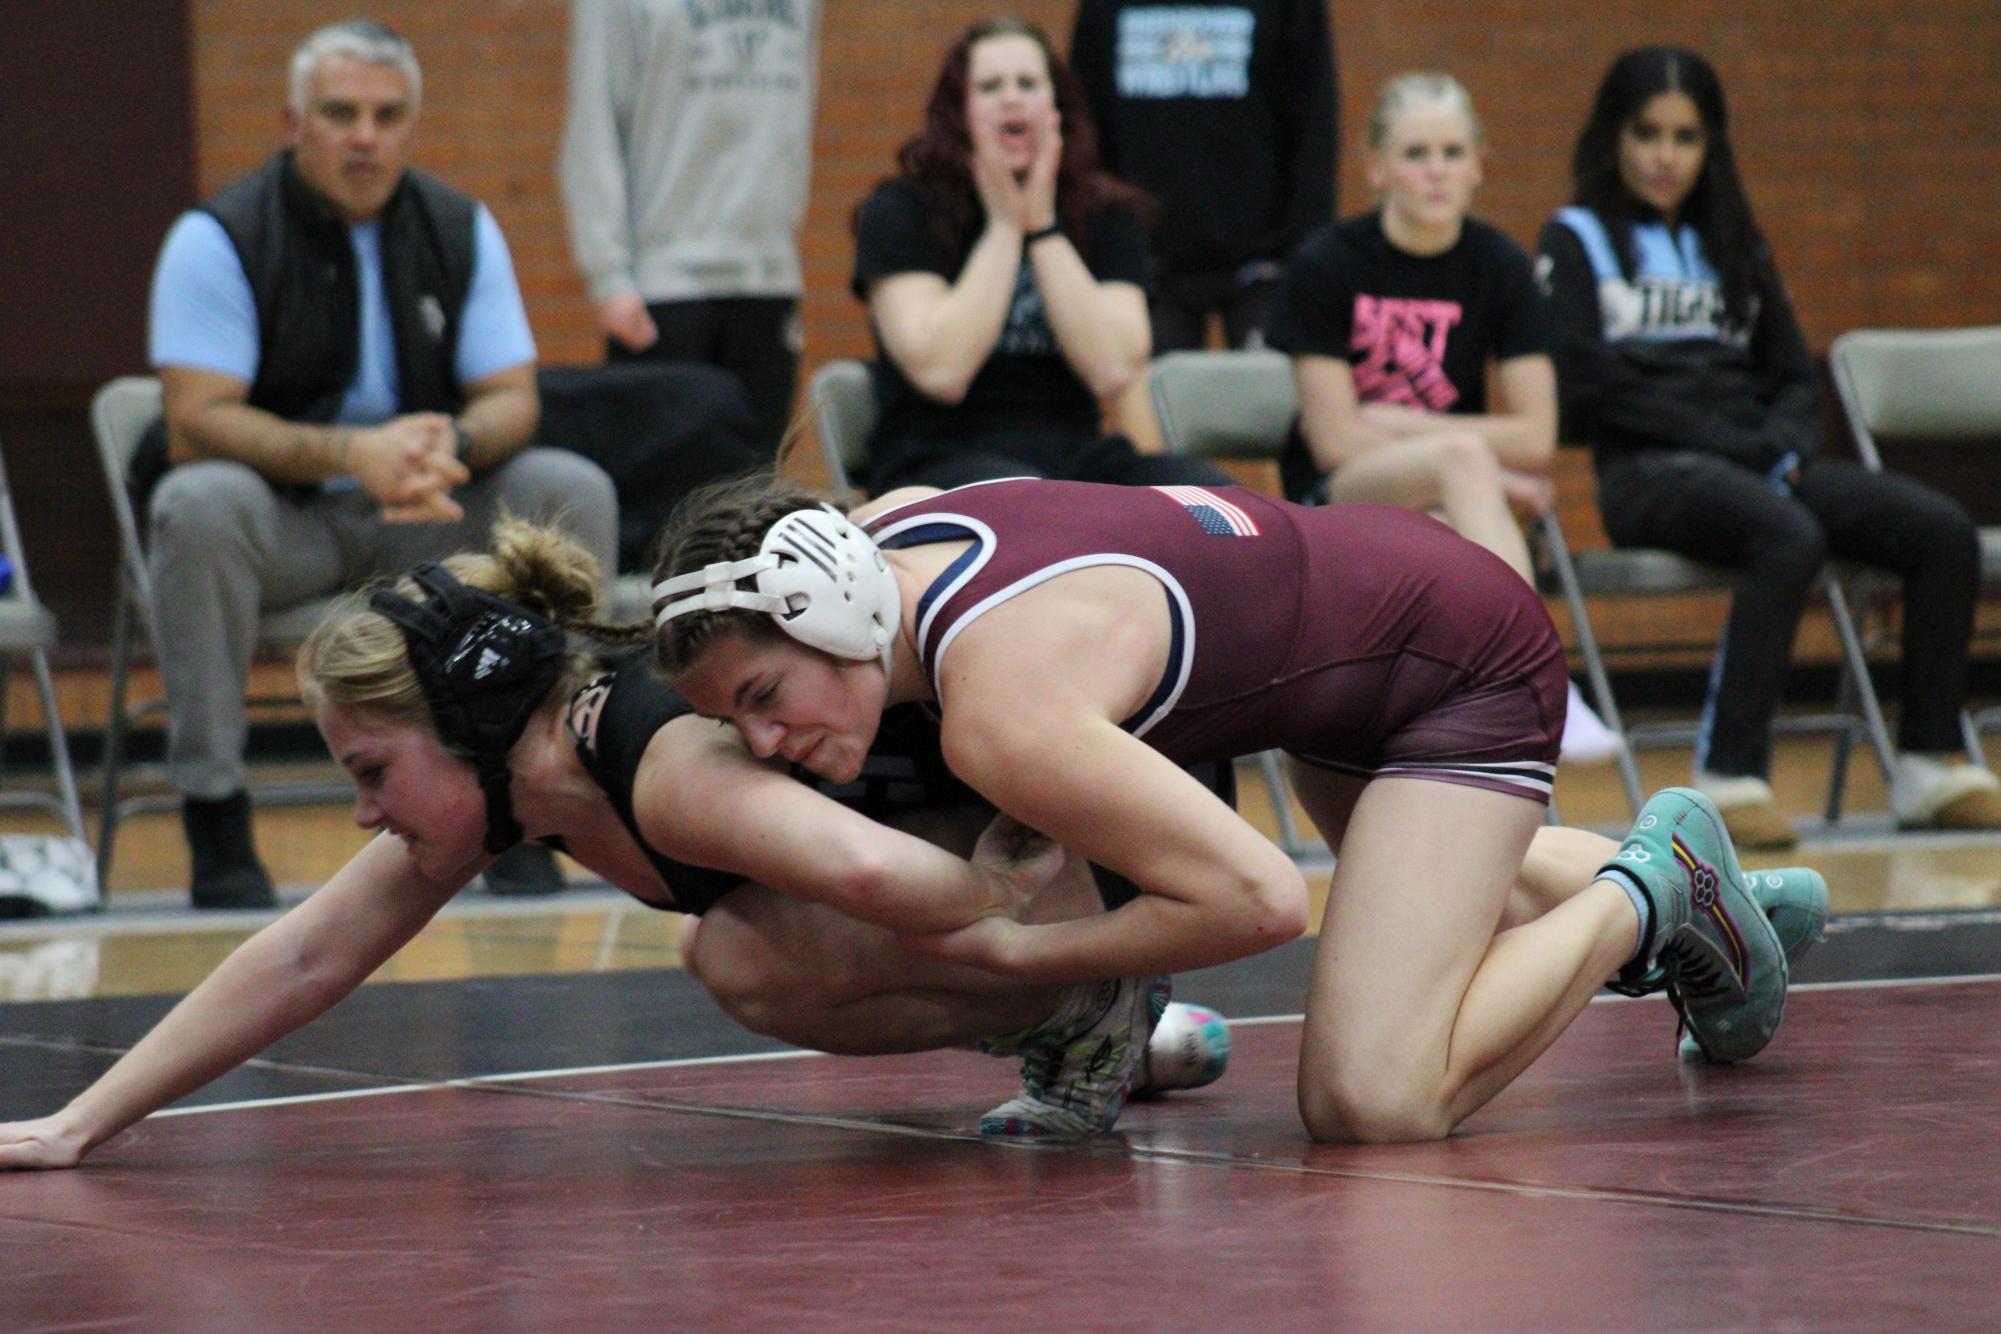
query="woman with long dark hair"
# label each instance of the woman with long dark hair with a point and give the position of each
(1005, 277)
(1681, 362)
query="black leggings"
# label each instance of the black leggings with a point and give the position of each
(1714, 510)
(1111, 459)
(755, 338)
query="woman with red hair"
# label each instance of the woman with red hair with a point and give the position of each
(1005, 276)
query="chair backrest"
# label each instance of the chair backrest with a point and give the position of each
(843, 397)
(1225, 404)
(10, 537)
(27, 623)
(119, 415)
(1940, 385)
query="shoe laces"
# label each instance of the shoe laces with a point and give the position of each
(1679, 998)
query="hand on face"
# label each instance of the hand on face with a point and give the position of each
(1039, 188)
(1000, 194)
(1017, 189)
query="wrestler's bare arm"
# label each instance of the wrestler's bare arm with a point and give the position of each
(287, 974)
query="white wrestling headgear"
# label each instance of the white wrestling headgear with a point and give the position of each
(819, 576)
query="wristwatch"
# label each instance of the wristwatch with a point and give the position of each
(462, 443)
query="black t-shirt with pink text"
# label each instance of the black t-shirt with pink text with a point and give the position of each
(1418, 330)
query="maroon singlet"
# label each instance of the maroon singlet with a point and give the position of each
(1365, 639)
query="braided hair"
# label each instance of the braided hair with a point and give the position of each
(724, 521)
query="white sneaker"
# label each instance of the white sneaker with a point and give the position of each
(1190, 1047)
(1925, 792)
(1586, 739)
(45, 875)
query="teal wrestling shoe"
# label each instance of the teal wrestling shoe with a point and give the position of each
(1190, 1048)
(1794, 900)
(1720, 960)
(1076, 1085)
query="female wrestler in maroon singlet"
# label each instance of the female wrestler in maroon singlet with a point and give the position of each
(1076, 638)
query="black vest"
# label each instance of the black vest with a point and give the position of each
(302, 271)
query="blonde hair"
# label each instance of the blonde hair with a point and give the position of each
(356, 657)
(1420, 88)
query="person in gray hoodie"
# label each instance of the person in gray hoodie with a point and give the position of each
(686, 153)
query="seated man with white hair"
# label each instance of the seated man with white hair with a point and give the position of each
(349, 383)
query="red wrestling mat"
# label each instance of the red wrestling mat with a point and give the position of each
(1851, 1177)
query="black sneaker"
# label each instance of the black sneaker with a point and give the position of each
(227, 873)
(524, 870)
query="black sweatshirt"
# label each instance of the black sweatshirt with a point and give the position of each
(1225, 113)
(1637, 371)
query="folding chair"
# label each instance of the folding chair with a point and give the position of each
(1236, 405)
(39, 873)
(1935, 386)
(1651, 572)
(843, 397)
(120, 414)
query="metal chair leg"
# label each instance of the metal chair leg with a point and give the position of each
(1858, 669)
(1594, 663)
(114, 732)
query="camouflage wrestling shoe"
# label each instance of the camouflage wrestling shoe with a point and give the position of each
(1077, 1086)
(1720, 959)
(1190, 1047)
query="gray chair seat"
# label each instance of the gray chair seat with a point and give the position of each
(1939, 387)
(1645, 571)
(25, 625)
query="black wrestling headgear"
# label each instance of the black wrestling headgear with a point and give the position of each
(484, 663)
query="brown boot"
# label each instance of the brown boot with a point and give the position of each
(1979, 809)
(1748, 811)
(1930, 793)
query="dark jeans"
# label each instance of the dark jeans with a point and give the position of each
(1111, 459)
(755, 338)
(1181, 307)
(1705, 507)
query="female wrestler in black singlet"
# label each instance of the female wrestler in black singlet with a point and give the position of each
(468, 722)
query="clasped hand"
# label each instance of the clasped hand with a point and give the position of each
(410, 464)
(1021, 863)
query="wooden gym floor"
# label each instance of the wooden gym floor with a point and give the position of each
(532, 1117)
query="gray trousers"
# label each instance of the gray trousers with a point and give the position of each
(227, 546)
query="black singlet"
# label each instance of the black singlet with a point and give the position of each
(905, 771)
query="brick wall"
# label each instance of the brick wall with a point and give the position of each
(1868, 137)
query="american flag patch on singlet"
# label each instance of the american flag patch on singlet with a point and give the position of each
(1218, 517)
